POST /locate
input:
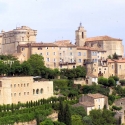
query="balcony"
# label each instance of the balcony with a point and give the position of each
(102, 62)
(87, 61)
(67, 63)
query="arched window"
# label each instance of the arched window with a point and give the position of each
(33, 91)
(41, 90)
(37, 91)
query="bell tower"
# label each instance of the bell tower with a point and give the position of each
(80, 36)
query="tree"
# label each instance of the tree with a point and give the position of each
(116, 108)
(26, 68)
(87, 120)
(104, 117)
(37, 63)
(61, 112)
(103, 81)
(115, 56)
(47, 122)
(76, 120)
(78, 111)
(111, 82)
(67, 115)
(109, 57)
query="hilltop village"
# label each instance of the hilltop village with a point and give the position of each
(61, 83)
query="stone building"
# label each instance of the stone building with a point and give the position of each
(23, 89)
(107, 43)
(89, 52)
(92, 101)
(120, 114)
(20, 35)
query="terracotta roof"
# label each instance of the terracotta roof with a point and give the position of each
(120, 61)
(110, 61)
(39, 45)
(43, 45)
(87, 104)
(102, 38)
(23, 45)
(90, 48)
(64, 43)
(97, 95)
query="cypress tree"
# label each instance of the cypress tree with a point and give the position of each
(67, 115)
(61, 112)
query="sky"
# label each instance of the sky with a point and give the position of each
(58, 19)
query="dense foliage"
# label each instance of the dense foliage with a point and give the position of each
(78, 72)
(95, 89)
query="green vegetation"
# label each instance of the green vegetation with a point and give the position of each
(95, 89)
(78, 72)
(114, 56)
(102, 117)
(111, 81)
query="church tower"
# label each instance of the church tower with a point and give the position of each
(80, 36)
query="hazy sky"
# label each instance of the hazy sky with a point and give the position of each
(58, 19)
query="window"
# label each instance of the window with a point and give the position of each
(14, 94)
(33, 91)
(120, 67)
(79, 60)
(47, 59)
(99, 106)
(41, 90)
(54, 60)
(21, 85)
(70, 48)
(41, 54)
(27, 84)
(18, 85)
(24, 93)
(54, 53)
(11, 85)
(27, 93)
(23, 48)
(39, 48)
(70, 53)
(47, 53)
(59, 47)
(79, 53)
(0, 83)
(0, 92)
(14, 85)
(112, 66)
(37, 91)
(24, 85)
(22, 38)
(82, 35)
(46, 47)
(19, 94)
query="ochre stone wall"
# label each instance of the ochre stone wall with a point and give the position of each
(21, 89)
